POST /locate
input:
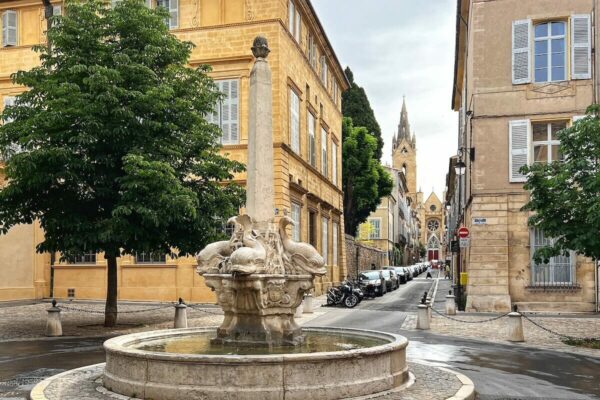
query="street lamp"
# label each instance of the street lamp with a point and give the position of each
(461, 168)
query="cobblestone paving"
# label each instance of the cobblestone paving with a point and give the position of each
(28, 321)
(431, 384)
(496, 331)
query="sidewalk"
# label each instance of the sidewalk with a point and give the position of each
(577, 325)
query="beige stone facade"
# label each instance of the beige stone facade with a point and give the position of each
(431, 213)
(307, 85)
(512, 95)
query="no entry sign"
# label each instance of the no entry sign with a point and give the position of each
(463, 233)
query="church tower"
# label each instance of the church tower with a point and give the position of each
(404, 153)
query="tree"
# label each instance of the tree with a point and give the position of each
(565, 194)
(355, 105)
(109, 148)
(422, 250)
(365, 181)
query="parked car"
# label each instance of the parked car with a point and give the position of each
(409, 273)
(372, 283)
(402, 275)
(391, 280)
(415, 271)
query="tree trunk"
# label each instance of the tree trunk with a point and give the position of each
(110, 310)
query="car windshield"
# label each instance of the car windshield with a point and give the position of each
(386, 274)
(369, 275)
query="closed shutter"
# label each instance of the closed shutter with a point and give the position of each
(519, 149)
(56, 10)
(334, 172)
(229, 111)
(311, 140)
(521, 57)
(581, 47)
(334, 234)
(9, 101)
(297, 27)
(295, 121)
(9, 28)
(174, 12)
(324, 169)
(324, 240)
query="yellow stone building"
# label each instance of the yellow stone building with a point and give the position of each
(307, 84)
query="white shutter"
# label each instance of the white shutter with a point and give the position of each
(8, 102)
(230, 111)
(291, 16)
(521, 57)
(311, 139)
(578, 117)
(334, 163)
(324, 240)
(334, 234)
(56, 10)
(174, 11)
(9, 28)
(581, 47)
(324, 169)
(297, 27)
(295, 121)
(518, 148)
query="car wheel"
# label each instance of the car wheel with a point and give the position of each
(351, 301)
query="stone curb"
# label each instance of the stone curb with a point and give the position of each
(37, 393)
(467, 391)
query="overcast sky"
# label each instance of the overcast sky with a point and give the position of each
(396, 48)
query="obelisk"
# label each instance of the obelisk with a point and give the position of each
(260, 183)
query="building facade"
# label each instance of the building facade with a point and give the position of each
(307, 85)
(431, 213)
(523, 72)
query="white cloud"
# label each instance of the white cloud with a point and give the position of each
(396, 48)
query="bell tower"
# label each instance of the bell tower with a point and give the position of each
(404, 152)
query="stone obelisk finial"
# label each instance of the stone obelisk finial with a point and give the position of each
(260, 182)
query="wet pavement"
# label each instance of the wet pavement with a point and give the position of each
(499, 371)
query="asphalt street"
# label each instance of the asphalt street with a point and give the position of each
(499, 371)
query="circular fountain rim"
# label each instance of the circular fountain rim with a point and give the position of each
(120, 345)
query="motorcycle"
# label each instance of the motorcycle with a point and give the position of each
(344, 294)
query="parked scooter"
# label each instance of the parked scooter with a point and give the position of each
(344, 294)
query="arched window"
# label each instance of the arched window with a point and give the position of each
(404, 169)
(433, 243)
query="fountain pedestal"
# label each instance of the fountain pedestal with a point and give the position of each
(259, 308)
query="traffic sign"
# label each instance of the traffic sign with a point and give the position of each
(464, 243)
(463, 232)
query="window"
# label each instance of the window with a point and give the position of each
(294, 21)
(540, 51)
(559, 271)
(324, 70)
(550, 52)
(334, 232)
(9, 28)
(312, 228)
(150, 258)
(325, 239)
(312, 157)
(226, 112)
(9, 101)
(86, 258)
(335, 91)
(324, 167)
(295, 121)
(312, 51)
(375, 228)
(546, 146)
(433, 208)
(172, 6)
(296, 216)
(334, 161)
(433, 225)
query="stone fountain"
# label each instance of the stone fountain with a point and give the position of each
(260, 277)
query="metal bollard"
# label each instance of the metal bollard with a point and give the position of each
(515, 326)
(308, 304)
(422, 317)
(180, 315)
(53, 323)
(450, 304)
(299, 310)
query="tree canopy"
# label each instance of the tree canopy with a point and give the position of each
(365, 181)
(565, 194)
(355, 105)
(108, 147)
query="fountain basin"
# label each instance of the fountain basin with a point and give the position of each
(377, 363)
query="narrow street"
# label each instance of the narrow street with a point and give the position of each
(499, 371)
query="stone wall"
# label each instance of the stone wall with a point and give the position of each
(359, 257)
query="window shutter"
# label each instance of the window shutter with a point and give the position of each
(578, 117)
(519, 149)
(295, 121)
(297, 27)
(56, 10)
(9, 101)
(9, 28)
(229, 111)
(521, 57)
(581, 49)
(174, 11)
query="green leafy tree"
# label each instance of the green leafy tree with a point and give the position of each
(355, 105)
(365, 181)
(565, 194)
(109, 148)
(422, 250)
